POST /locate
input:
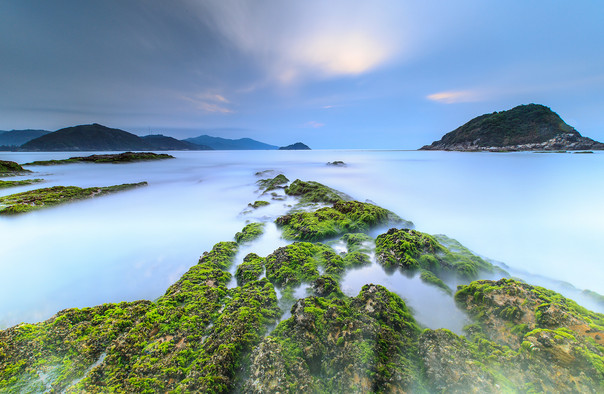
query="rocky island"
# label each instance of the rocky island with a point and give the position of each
(204, 335)
(531, 127)
(126, 157)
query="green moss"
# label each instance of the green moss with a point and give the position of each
(258, 204)
(8, 168)
(358, 242)
(271, 184)
(310, 192)
(251, 269)
(356, 259)
(413, 250)
(41, 198)
(343, 217)
(292, 264)
(5, 184)
(430, 278)
(126, 157)
(250, 232)
(366, 343)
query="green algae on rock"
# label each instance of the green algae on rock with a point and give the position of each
(126, 157)
(191, 339)
(250, 269)
(24, 182)
(361, 344)
(273, 183)
(311, 191)
(250, 232)
(10, 168)
(47, 197)
(525, 339)
(343, 217)
(258, 204)
(413, 250)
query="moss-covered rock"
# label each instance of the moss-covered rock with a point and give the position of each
(358, 242)
(250, 269)
(250, 232)
(47, 197)
(361, 344)
(311, 191)
(24, 182)
(126, 157)
(293, 264)
(258, 204)
(413, 250)
(430, 278)
(9, 168)
(266, 185)
(343, 217)
(525, 339)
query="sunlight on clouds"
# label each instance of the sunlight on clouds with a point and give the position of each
(342, 53)
(453, 97)
(294, 42)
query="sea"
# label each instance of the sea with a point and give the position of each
(540, 216)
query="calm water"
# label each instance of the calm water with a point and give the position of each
(538, 213)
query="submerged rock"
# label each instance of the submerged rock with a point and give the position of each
(47, 197)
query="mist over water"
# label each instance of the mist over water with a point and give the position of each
(538, 213)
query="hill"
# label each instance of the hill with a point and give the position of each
(296, 146)
(218, 143)
(162, 142)
(19, 137)
(525, 127)
(96, 137)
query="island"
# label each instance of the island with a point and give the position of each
(296, 146)
(531, 127)
(126, 157)
(206, 335)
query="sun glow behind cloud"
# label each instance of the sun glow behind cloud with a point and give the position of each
(316, 40)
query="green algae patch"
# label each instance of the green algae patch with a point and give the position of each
(430, 278)
(358, 242)
(293, 264)
(525, 338)
(126, 157)
(250, 232)
(266, 185)
(250, 269)
(343, 217)
(25, 182)
(51, 196)
(10, 168)
(258, 204)
(312, 192)
(361, 344)
(413, 250)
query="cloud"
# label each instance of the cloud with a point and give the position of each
(314, 124)
(454, 97)
(209, 102)
(294, 42)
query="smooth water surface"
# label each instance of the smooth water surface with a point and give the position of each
(538, 213)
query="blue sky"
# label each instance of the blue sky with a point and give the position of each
(333, 74)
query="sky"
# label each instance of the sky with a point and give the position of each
(379, 74)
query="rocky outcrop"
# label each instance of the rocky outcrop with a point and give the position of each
(296, 146)
(524, 128)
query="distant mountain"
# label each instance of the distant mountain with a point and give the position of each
(296, 146)
(229, 144)
(91, 137)
(162, 142)
(96, 137)
(19, 137)
(525, 127)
